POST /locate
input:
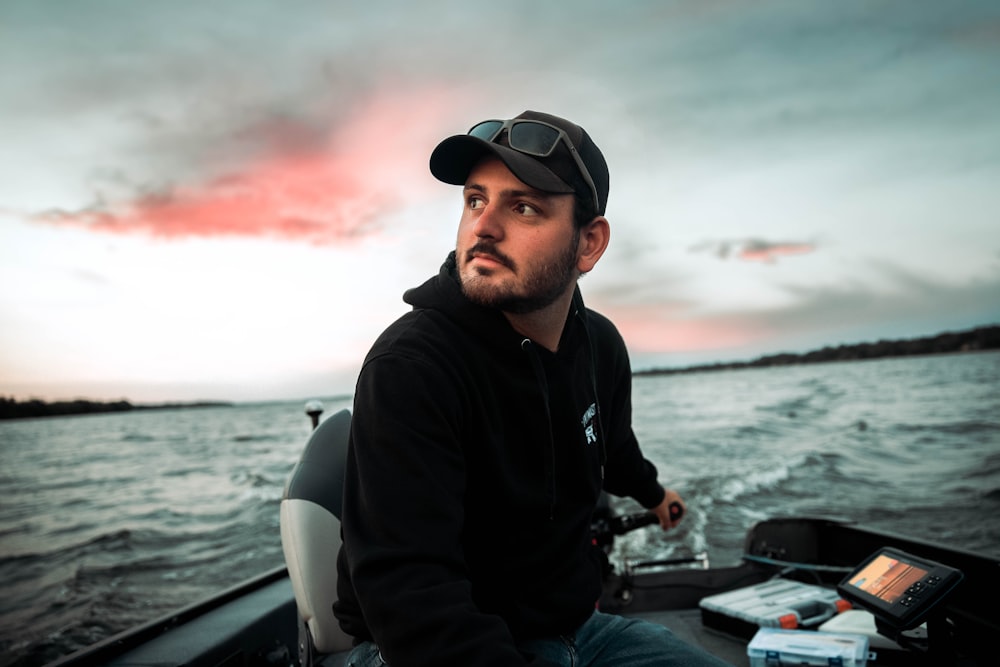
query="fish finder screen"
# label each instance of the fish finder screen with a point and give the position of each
(899, 589)
(887, 578)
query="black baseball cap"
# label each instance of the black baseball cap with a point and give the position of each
(557, 172)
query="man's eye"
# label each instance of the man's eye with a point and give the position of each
(476, 202)
(526, 209)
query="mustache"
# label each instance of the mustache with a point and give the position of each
(488, 249)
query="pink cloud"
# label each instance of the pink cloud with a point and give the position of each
(763, 251)
(659, 329)
(755, 250)
(329, 190)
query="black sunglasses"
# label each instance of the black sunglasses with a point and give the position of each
(533, 137)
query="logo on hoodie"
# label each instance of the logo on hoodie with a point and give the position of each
(588, 423)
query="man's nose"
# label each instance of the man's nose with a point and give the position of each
(489, 223)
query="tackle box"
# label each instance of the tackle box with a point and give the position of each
(779, 603)
(774, 647)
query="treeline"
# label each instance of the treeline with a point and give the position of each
(14, 409)
(981, 338)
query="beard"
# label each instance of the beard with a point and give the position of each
(539, 287)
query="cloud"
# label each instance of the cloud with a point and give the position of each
(304, 198)
(891, 302)
(895, 294)
(755, 250)
(299, 184)
(648, 329)
(90, 277)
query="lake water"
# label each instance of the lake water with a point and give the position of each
(107, 521)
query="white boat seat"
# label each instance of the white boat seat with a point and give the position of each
(310, 536)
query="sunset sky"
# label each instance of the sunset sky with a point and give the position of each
(226, 200)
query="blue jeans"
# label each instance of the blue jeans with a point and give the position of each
(604, 640)
(608, 640)
(365, 654)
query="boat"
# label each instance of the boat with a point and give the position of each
(284, 617)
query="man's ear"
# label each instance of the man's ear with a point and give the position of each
(594, 239)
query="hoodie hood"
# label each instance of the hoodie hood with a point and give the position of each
(444, 293)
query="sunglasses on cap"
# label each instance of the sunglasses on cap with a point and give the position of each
(535, 138)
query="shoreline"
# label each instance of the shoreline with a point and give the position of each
(34, 408)
(979, 339)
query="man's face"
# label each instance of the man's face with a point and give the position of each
(517, 247)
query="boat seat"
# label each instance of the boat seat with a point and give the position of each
(310, 538)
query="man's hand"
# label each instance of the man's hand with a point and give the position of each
(662, 511)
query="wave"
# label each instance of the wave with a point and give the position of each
(266, 434)
(758, 431)
(815, 402)
(762, 478)
(138, 437)
(752, 483)
(967, 427)
(117, 540)
(192, 469)
(258, 437)
(988, 467)
(256, 479)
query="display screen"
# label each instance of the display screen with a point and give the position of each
(887, 578)
(897, 587)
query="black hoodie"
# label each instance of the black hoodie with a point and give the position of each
(475, 462)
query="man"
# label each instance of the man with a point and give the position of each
(486, 423)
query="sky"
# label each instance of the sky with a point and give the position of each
(226, 200)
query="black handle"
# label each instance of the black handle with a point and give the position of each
(603, 529)
(629, 522)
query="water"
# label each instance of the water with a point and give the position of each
(108, 521)
(909, 445)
